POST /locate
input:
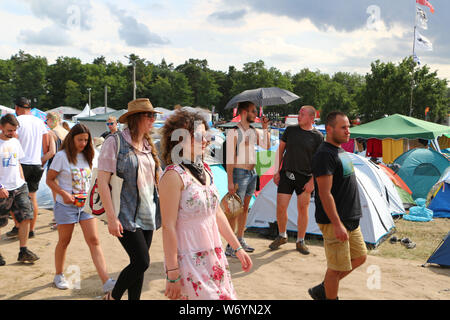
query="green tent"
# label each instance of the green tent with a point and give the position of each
(399, 126)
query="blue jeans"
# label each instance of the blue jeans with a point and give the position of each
(246, 181)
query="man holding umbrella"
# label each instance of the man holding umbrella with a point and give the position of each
(297, 147)
(240, 164)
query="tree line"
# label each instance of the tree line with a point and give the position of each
(386, 89)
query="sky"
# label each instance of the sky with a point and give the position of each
(290, 35)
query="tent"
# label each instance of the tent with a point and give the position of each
(383, 183)
(399, 126)
(87, 112)
(441, 255)
(101, 110)
(402, 189)
(5, 110)
(376, 222)
(67, 113)
(97, 123)
(439, 197)
(420, 169)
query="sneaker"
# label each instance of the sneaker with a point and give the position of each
(318, 292)
(230, 252)
(60, 282)
(31, 234)
(109, 285)
(13, 233)
(302, 248)
(245, 246)
(27, 256)
(2, 261)
(279, 240)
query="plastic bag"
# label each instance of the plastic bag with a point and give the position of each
(419, 213)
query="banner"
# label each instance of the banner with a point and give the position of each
(421, 19)
(423, 43)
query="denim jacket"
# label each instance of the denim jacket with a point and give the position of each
(127, 169)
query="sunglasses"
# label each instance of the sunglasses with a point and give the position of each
(110, 123)
(150, 115)
(198, 136)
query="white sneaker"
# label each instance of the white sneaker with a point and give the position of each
(60, 282)
(109, 285)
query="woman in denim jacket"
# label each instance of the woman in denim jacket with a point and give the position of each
(138, 165)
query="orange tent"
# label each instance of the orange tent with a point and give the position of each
(395, 178)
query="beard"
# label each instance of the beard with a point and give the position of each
(250, 119)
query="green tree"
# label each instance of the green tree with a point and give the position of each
(73, 94)
(29, 77)
(7, 86)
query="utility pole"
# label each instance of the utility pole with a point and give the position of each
(133, 62)
(89, 89)
(106, 98)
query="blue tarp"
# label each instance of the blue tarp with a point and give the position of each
(419, 213)
(442, 254)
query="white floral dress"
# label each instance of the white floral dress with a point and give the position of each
(205, 274)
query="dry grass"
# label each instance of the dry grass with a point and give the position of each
(426, 235)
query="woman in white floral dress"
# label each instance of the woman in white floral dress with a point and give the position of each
(196, 266)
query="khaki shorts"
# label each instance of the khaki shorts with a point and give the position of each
(341, 253)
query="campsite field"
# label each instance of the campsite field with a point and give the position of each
(426, 235)
(283, 274)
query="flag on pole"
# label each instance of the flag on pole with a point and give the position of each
(427, 109)
(421, 19)
(426, 3)
(423, 43)
(416, 59)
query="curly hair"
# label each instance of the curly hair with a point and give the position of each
(181, 119)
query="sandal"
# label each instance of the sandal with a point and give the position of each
(108, 296)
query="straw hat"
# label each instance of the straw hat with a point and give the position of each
(137, 106)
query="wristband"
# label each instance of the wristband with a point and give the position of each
(237, 249)
(174, 281)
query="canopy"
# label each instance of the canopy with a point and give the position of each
(87, 112)
(5, 110)
(399, 126)
(102, 117)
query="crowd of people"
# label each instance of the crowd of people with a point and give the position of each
(180, 197)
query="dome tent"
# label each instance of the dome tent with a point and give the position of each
(421, 169)
(376, 222)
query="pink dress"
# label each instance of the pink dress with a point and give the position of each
(204, 270)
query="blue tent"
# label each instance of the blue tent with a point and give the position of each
(439, 197)
(420, 169)
(441, 255)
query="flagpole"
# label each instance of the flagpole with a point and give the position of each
(413, 62)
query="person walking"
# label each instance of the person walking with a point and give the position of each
(13, 188)
(111, 123)
(193, 222)
(35, 141)
(138, 165)
(338, 208)
(297, 147)
(69, 178)
(240, 164)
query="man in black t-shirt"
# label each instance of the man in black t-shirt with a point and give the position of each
(297, 146)
(338, 208)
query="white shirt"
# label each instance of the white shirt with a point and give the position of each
(74, 179)
(30, 134)
(10, 154)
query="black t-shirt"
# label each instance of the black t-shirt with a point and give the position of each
(300, 148)
(331, 160)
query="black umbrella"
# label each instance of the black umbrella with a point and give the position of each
(263, 97)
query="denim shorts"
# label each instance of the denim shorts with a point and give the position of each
(19, 203)
(68, 214)
(246, 181)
